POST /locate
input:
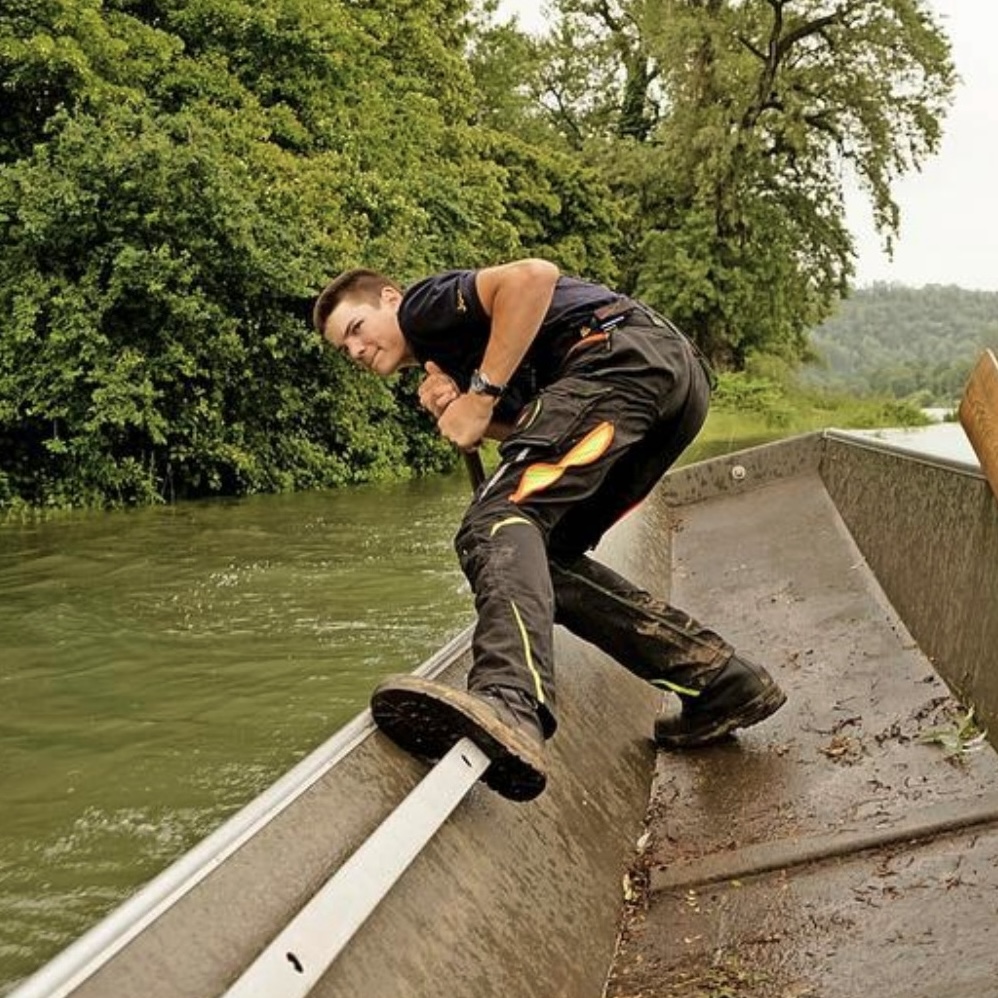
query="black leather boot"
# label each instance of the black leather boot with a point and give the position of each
(740, 695)
(428, 718)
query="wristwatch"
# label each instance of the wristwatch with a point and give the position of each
(481, 385)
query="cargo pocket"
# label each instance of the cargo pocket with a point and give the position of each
(554, 420)
(556, 433)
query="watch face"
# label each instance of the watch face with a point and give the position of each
(480, 385)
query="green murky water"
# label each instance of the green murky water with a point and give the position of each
(159, 668)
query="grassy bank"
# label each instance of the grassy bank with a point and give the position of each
(750, 410)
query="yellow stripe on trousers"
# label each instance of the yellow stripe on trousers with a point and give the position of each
(527, 653)
(542, 475)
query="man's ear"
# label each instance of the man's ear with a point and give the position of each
(390, 296)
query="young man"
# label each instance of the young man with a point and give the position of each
(594, 397)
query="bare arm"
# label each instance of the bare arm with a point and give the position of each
(516, 296)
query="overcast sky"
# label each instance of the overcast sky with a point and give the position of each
(949, 211)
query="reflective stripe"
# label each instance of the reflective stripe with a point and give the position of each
(509, 521)
(542, 476)
(676, 688)
(528, 416)
(526, 651)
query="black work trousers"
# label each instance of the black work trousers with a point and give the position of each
(586, 450)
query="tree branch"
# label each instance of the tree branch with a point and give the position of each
(779, 46)
(818, 26)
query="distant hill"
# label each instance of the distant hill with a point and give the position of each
(905, 342)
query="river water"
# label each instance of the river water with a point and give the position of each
(160, 667)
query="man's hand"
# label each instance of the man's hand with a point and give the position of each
(466, 420)
(437, 390)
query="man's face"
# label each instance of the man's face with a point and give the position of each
(369, 334)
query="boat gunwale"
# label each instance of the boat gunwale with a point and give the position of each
(911, 453)
(85, 956)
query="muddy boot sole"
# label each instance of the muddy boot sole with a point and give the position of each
(427, 719)
(692, 732)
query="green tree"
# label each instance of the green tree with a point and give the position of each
(728, 133)
(161, 243)
(177, 180)
(59, 54)
(149, 341)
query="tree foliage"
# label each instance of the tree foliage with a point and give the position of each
(178, 178)
(728, 127)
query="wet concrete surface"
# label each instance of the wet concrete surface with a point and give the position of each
(821, 853)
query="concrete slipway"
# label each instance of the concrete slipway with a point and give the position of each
(834, 851)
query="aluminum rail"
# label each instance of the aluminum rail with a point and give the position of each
(293, 963)
(909, 449)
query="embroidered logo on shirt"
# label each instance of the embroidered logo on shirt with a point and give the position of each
(462, 305)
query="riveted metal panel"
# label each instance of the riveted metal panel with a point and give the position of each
(742, 471)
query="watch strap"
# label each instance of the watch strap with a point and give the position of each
(481, 385)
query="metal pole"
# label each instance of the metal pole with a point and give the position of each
(293, 963)
(476, 470)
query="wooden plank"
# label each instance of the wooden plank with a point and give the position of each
(979, 415)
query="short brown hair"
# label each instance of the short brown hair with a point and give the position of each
(359, 283)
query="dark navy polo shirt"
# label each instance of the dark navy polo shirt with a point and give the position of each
(442, 320)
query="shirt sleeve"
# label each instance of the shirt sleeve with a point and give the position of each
(445, 305)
